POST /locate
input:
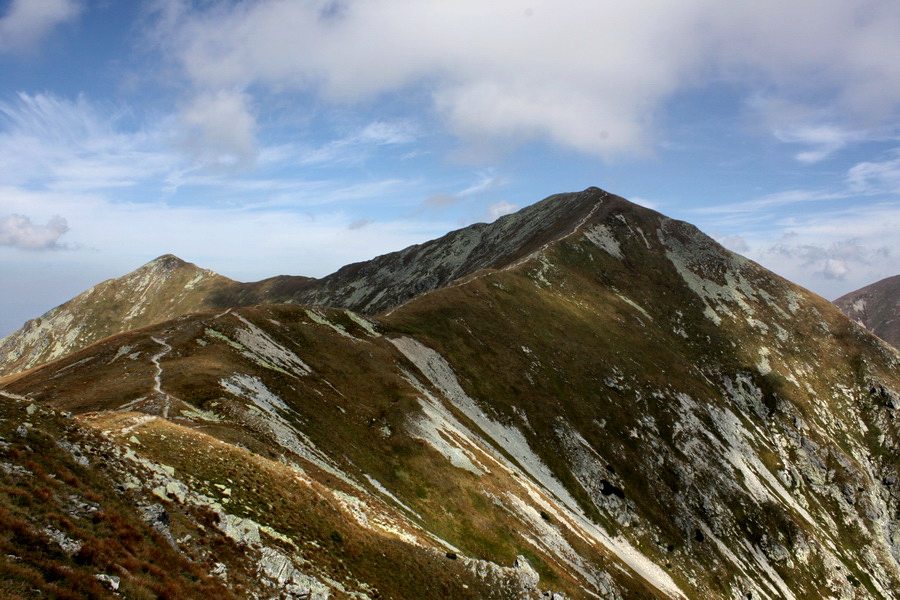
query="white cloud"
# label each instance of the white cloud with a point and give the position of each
(589, 76)
(498, 209)
(819, 129)
(18, 231)
(772, 205)
(26, 22)
(831, 251)
(50, 142)
(833, 261)
(382, 133)
(487, 180)
(875, 177)
(824, 139)
(221, 130)
(845, 240)
(735, 243)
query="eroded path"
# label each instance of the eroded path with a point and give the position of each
(157, 378)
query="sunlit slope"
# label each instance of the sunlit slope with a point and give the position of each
(727, 422)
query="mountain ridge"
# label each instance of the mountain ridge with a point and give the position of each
(368, 286)
(628, 411)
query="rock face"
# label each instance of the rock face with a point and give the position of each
(877, 308)
(619, 408)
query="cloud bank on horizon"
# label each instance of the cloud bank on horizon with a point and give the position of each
(261, 137)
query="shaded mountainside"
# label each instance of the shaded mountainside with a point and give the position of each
(621, 409)
(876, 307)
(385, 282)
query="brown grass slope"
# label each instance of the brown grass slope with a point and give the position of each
(311, 467)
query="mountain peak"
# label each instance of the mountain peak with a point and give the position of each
(166, 262)
(387, 281)
(164, 288)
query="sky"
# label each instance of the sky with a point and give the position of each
(270, 137)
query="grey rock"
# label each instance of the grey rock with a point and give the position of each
(279, 569)
(527, 575)
(66, 544)
(111, 581)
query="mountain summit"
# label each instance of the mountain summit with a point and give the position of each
(164, 288)
(387, 281)
(582, 400)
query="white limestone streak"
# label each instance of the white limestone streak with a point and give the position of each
(272, 354)
(362, 322)
(383, 490)
(319, 318)
(634, 305)
(440, 374)
(443, 432)
(370, 518)
(270, 411)
(602, 237)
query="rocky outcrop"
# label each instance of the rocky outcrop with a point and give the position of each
(385, 282)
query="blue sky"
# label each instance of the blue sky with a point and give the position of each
(267, 137)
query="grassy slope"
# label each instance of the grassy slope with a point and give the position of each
(554, 343)
(613, 372)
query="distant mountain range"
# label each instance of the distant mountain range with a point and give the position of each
(584, 399)
(876, 307)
